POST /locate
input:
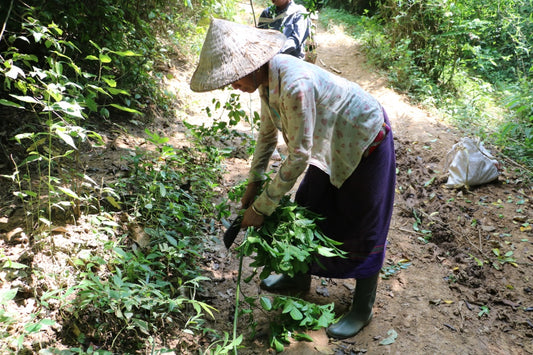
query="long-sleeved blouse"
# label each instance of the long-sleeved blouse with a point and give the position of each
(325, 120)
(293, 21)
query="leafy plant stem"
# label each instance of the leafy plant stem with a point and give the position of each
(237, 294)
(50, 157)
(16, 178)
(116, 337)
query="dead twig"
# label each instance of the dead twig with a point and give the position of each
(253, 12)
(5, 22)
(409, 231)
(480, 245)
(450, 327)
(335, 69)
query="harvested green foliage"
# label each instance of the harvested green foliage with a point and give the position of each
(288, 241)
(296, 316)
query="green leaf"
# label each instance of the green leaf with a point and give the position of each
(91, 104)
(127, 109)
(249, 278)
(27, 99)
(327, 252)
(286, 303)
(104, 58)
(7, 295)
(95, 45)
(171, 240)
(115, 91)
(109, 81)
(127, 53)
(66, 138)
(296, 314)
(10, 103)
(162, 190)
(55, 95)
(142, 325)
(14, 72)
(207, 308)
(266, 303)
(113, 202)
(253, 240)
(98, 89)
(36, 327)
(104, 112)
(73, 109)
(277, 345)
(302, 336)
(30, 158)
(13, 265)
(325, 319)
(69, 192)
(429, 182)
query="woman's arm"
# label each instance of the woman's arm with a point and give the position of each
(298, 121)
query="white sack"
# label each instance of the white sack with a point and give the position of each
(470, 164)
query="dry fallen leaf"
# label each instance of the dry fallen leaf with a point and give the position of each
(138, 235)
(59, 230)
(12, 233)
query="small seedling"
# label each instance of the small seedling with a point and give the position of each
(484, 311)
(503, 259)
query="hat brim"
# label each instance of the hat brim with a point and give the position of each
(231, 51)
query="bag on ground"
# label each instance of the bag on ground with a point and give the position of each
(470, 164)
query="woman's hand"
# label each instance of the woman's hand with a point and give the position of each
(249, 195)
(252, 218)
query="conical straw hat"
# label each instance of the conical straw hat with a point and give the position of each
(231, 51)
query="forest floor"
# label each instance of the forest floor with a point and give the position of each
(443, 290)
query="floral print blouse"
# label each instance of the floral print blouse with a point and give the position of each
(326, 121)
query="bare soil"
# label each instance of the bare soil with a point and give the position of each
(433, 301)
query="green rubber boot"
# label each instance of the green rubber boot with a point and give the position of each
(360, 313)
(300, 282)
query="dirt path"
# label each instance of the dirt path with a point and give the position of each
(433, 300)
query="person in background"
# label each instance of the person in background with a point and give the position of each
(336, 133)
(292, 20)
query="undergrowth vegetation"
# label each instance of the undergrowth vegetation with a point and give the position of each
(69, 71)
(150, 286)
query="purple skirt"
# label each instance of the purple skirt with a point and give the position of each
(358, 214)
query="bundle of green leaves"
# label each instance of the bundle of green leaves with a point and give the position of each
(289, 241)
(295, 318)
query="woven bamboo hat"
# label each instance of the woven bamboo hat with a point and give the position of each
(231, 51)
